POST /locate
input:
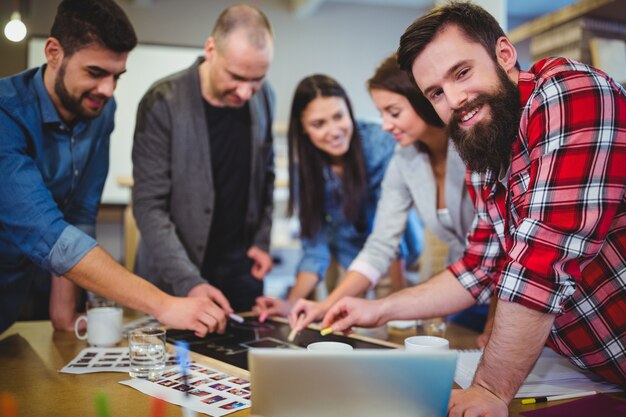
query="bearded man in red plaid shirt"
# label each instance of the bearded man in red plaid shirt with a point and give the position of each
(546, 157)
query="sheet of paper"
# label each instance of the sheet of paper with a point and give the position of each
(552, 375)
(209, 391)
(114, 359)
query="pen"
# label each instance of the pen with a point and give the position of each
(236, 317)
(296, 329)
(557, 397)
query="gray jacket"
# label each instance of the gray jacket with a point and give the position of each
(409, 181)
(173, 194)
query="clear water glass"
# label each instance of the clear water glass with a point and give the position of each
(147, 352)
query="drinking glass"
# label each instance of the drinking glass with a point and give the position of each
(147, 352)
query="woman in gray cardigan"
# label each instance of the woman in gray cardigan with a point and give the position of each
(425, 172)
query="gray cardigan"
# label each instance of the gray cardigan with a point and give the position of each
(409, 181)
(173, 195)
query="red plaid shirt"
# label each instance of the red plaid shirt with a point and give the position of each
(551, 232)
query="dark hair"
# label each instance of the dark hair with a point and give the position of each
(475, 22)
(388, 76)
(79, 23)
(252, 19)
(306, 162)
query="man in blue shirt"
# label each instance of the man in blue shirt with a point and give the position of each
(55, 123)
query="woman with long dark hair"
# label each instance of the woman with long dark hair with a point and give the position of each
(336, 166)
(426, 172)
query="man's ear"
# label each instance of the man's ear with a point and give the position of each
(210, 48)
(54, 52)
(506, 54)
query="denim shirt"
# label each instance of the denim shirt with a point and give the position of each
(52, 180)
(342, 240)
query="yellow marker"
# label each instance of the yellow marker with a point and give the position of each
(326, 331)
(557, 397)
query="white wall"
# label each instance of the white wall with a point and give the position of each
(342, 40)
(345, 41)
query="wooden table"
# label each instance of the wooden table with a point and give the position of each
(31, 353)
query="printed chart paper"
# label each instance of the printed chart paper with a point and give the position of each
(208, 391)
(93, 359)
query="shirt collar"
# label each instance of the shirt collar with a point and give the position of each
(526, 85)
(49, 113)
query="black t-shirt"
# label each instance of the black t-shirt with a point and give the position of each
(230, 145)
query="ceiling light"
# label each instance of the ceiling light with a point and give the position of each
(15, 30)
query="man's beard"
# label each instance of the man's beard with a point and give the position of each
(72, 104)
(488, 144)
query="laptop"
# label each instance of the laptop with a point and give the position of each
(363, 383)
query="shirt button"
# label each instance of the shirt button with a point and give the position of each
(73, 140)
(200, 247)
(76, 173)
(329, 218)
(207, 210)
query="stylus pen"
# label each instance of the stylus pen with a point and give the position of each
(296, 328)
(236, 317)
(557, 397)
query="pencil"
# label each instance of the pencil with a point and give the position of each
(296, 329)
(557, 397)
(182, 351)
(8, 404)
(158, 407)
(326, 331)
(102, 405)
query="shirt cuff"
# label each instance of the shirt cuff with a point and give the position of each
(362, 267)
(71, 246)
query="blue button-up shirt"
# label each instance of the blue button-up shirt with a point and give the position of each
(342, 240)
(52, 176)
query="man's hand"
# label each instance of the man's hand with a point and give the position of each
(63, 295)
(262, 262)
(476, 401)
(215, 295)
(308, 311)
(268, 306)
(199, 314)
(350, 311)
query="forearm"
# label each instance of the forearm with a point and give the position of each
(397, 276)
(100, 273)
(63, 295)
(518, 337)
(352, 285)
(305, 284)
(439, 296)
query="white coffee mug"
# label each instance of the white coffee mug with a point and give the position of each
(426, 343)
(104, 323)
(328, 347)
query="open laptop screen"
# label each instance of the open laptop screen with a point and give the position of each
(363, 383)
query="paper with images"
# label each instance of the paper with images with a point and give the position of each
(552, 375)
(206, 391)
(92, 359)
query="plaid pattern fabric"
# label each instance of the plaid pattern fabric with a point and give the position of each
(551, 232)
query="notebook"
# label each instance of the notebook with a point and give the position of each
(363, 383)
(551, 375)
